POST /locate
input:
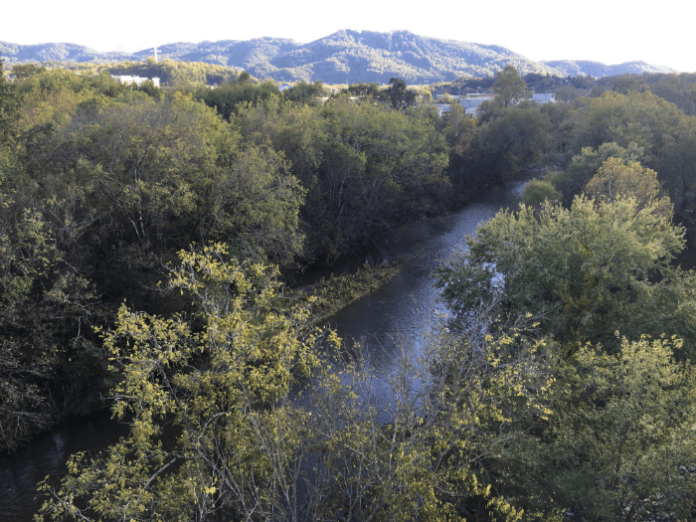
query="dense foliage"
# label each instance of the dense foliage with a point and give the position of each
(146, 236)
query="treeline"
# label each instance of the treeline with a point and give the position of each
(172, 73)
(679, 89)
(146, 234)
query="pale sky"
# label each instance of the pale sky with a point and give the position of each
(607, 31)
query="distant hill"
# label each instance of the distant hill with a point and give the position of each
(61, 52)
(345, 56)
(600, 70)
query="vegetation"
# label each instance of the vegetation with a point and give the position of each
(328, 296)
(147, 235)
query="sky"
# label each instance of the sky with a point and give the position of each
(607, 31)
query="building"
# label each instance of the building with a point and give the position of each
(137, 80)
(544, 97)
(470, 102)
(442, 108)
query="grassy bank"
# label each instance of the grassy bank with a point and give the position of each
(337, 292)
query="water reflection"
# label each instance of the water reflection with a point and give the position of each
(403, 309)
(46, 455)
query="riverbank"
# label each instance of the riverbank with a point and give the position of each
(337, 292)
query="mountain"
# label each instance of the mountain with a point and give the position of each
(62, 52)
(343, 57)
(599, 70)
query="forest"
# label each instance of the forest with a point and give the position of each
(150, 240)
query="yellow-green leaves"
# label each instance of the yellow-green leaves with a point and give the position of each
(620, 179)
(198, 391)
(631, 415)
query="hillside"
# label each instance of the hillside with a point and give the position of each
(600, 70)
(343, 57)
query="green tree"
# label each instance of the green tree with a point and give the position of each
(677, 90)
(627, 83)
(537, 192)
(46, 312)
(509, 86)
(228, 98)
(169, 172)
(616, 179)
(513, 139)
(617, 444)
(585, 165)
(366, 167)
(399, 94)
(586, 271)
(459, 128)
(307, 93)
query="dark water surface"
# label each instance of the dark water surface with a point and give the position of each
(402, 309)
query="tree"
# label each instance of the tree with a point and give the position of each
(630, 415)
(509, 86)
(307, 93)
(220, 376)
(400, 96)
(459, 128)
(47, 310)
(537, 192)
(228, 98)
(243, 452)
(677, 90)
(627, 83)
(615, 447)
(366, 167)
(584, 166)
(165, 173)
(619, 179)
(513, 139)
(586, 271)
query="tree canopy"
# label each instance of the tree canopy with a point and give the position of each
(586, 271)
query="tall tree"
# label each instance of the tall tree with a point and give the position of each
(399, 94)
(509, 86)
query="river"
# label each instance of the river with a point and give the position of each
(402, 309)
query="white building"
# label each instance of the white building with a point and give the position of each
(544, 97)
(138, 80)
(442, 108)
(470, 102)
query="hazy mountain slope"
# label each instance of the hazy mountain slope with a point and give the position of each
(599, 70)
(345, 56)
(63, 52)
(355, 56)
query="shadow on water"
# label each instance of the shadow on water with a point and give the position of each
(404, 307)
(46, 455)
(402, 310)
(395, 321)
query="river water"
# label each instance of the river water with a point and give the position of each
(399, 312)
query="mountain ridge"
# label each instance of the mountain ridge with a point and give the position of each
(346, 56)
(599, 69)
